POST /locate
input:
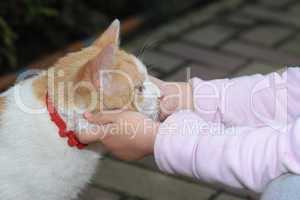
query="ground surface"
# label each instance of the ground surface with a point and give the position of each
(225, 39)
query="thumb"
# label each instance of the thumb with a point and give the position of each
(94, 133)
(100, 118)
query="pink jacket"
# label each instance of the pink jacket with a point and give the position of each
(243, 133)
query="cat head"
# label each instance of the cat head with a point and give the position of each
(103, 77)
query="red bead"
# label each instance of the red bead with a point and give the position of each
(62, 133)
(80, 146)
(69, 133)
(72, 141)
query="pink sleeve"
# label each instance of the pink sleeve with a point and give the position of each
(216, 143)
(249, 100)
(240, 157)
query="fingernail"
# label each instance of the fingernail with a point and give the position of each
(87, 115)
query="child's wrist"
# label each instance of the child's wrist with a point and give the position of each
(176, 96)
(152, 137)
(185, 101)
(187, 97)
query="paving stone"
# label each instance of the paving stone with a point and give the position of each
(232, 4)
(210, 35)
(147, 184)
(292, 46)
(93, 193)
(267, 35)
(205, 56)
(152, 38)
(200, 71)
(295, 9)
(228, 197)
(265, 54)
(177, 26)
(132, 198)
(255, 68)
(146, 40)
(273, 16)
(154, 72)
(160, 61)
(274, 3)
(148, 162)
(195, 18)
(240, 19)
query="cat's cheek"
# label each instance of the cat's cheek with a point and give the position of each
(149, 105)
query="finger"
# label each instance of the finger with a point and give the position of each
(162, 116)
(167, 105)
(100, 118)
(156, 81)
(94, 134)
(91, 117)
(88, 137)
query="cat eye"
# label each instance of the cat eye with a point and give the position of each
(140, 88)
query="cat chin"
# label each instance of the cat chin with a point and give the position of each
(154, 115)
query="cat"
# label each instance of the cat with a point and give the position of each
(35, 162)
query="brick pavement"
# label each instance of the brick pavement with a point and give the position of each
(226, 39)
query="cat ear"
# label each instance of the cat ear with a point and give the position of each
(97, 67)
(110, 36)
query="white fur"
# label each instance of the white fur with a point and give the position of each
(149, 106)
(35, 163)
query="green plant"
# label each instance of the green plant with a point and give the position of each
(15, 18)
(31, 28)
(7, 49)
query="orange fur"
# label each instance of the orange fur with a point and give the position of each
(40, 88)
(2, 104)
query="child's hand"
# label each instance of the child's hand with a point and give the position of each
(127, 135)
(174, 96)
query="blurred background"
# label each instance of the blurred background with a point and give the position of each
(175, 39)
(35, 29)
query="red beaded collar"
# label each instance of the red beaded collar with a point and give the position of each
(62, 127)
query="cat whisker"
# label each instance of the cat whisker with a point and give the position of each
(147, 45)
